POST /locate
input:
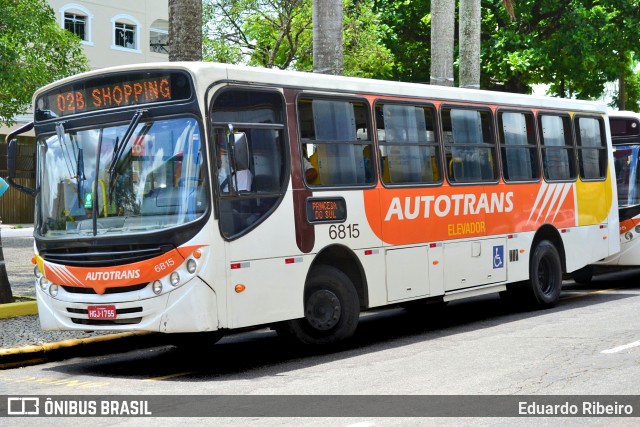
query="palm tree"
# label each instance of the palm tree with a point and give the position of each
(442, 35)
(442, 43)
(469, 36)
(327, 37)
(185, 30)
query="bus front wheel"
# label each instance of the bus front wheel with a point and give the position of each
(545, 275)
(331, 309)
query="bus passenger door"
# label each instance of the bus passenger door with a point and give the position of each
(407, 273)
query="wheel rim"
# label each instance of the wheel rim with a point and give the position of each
(545, 276)
(323, 310)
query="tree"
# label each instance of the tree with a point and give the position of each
(575, 46)
(442, 42)
(469, 40)
(272, 33)
(328, 49)
(34, 51)
(185, 30)
(279, 34)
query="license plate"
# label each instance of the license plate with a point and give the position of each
(102, 311)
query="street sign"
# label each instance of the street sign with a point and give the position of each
(3, 186)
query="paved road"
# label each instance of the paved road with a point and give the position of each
(587, 345)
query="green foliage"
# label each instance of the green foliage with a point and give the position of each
(279, 33)
(575, 46)
(406, 29)
(34, 51)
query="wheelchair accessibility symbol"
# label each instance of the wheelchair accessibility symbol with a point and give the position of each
(498, 256)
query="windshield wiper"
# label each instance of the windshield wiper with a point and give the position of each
(119, 148)
(63, 146)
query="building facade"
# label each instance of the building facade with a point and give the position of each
(113, 32)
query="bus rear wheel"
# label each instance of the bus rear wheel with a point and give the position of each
(331, 309)
(545, 275)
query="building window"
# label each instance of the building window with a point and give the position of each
(76, 19)
(76, 24)
(126, 33)
(159, 36)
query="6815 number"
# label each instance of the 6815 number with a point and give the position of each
(341, 231)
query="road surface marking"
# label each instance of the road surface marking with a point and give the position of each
(603, 291)
(166, 377)
(622, 347)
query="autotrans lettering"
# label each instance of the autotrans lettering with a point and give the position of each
(409, 208)
(94, 276)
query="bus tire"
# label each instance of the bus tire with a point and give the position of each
(545, 275)
(583, 275)
(331, 309)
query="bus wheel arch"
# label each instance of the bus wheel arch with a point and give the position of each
(346, 261)
(333, 295)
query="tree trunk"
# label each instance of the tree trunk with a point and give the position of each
(470, 21)
(622, 92)
(185, 30)
(327, 37)
(442, 38)
(6, 295)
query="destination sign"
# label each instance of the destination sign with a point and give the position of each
(121, 90)
(326, 210)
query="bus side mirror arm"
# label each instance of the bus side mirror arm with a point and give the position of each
(12, 154)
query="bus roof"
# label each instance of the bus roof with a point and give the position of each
(216, 72)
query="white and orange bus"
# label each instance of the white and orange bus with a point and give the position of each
(195, 197)
(625, 137)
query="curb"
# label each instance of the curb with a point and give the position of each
(15, 309)
(113, 343)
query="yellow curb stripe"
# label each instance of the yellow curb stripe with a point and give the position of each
(18, 309)
(166, 377)
(68, 343)
(603, 291)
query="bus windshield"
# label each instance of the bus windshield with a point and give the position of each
(139, 176)
(626, 165)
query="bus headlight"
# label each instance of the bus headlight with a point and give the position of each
(628, 235)
(36, 272)
(157, 287)
(191, 266)
(637, 228)
(43, 282)
(53, 290)
(174, 278)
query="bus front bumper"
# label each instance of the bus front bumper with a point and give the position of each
(191, 307)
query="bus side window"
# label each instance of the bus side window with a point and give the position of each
(407, 137)
(338, 139)
(518, 145)
(592, 147)
(471, 155)
(557, 147)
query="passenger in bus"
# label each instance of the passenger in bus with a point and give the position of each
(242, 180)
(310, 172)
(313, 161)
